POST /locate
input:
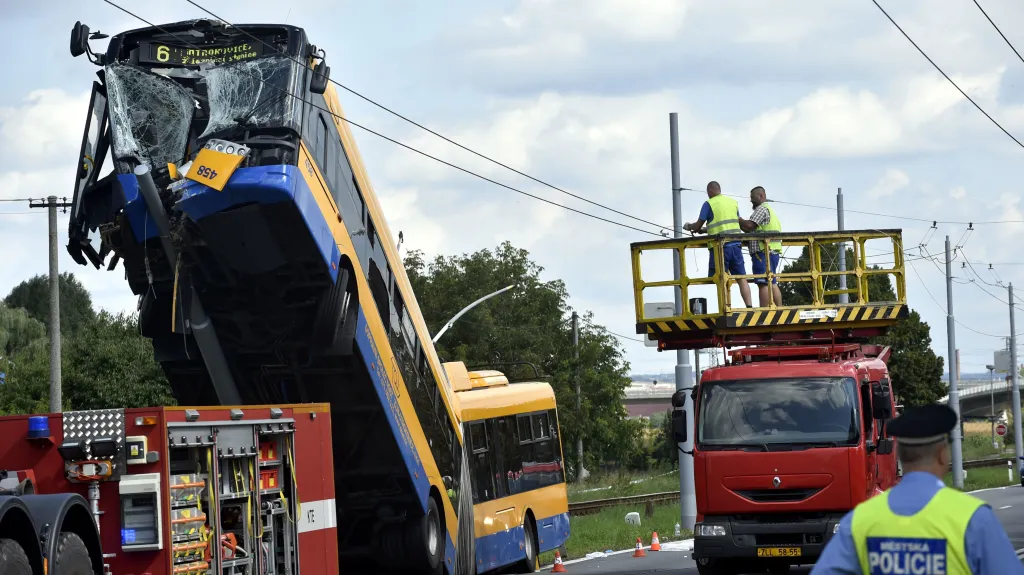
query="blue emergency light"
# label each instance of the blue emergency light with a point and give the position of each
(38, 427)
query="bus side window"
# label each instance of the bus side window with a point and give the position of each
(379, 289)
(513, 459)
(498, 459)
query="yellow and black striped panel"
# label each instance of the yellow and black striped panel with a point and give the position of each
(754, 320)
(675, 326)
(846, 316)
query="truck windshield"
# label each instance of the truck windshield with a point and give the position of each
(779, 411)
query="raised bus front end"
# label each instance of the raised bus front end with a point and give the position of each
(265, 270)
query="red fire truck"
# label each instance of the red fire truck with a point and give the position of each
(789, 432)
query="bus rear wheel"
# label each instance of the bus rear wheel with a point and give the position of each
(529, 563)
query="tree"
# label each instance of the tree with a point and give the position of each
(530, 323)
(17, 330)
(33, 295)
(798, 293)
(915, 370)
(105, 364)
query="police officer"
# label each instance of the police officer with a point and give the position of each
(920, 525)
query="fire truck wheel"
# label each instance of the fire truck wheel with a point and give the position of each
(13, 560)
(72, 556)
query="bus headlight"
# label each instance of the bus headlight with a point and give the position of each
(711, 530)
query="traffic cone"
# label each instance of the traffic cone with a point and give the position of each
(558, 567)
(655, 544)
(639, 549)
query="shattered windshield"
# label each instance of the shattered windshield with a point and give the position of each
(804, 410)
(151, 113)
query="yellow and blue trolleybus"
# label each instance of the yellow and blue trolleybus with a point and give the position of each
(521, 506)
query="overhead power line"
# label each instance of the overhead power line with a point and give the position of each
(1005, 39)
(435, 133)
(946, 76)
(396, 142)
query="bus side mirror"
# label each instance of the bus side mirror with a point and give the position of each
(79, 39)
(321, 74)
(884, 446)
(881, 401)
(679, 426)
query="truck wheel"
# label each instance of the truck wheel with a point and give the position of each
(426, 538)
(13, 560)
(72, 556)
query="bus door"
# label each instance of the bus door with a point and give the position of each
(507, 513)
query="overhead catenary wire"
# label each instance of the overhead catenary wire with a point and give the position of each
(946, 76)
(434, 132)
(403, 145)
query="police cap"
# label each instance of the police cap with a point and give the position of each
(923, 425)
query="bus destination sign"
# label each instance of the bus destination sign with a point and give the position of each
(154, 53)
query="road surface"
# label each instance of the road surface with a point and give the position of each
(1007, 502)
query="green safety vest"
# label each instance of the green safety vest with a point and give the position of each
(773, 225)
(726, 214)
(930, 541)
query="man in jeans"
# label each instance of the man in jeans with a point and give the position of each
(722, 216)
(763, 220)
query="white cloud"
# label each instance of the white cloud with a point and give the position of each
(892, 181)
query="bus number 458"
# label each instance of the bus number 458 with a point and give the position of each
(207, 173)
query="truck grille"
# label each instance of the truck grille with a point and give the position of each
(777, 495)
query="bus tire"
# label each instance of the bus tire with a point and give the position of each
(425, 538)
(529, 563)
(72, 556)
(330, 312)
(13, 559)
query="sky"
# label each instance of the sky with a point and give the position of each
(799, 96)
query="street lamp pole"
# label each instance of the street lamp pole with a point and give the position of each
(456, 317)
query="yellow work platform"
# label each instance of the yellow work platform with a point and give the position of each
(713, 321)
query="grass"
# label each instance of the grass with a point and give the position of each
(982, 478)
(978, 445)
(623, 484)
(607, 529)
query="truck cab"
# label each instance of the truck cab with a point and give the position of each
(784, 447)
(789, 434)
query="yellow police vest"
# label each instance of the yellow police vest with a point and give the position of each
(725, 213)
(773, 225)
(930, 541)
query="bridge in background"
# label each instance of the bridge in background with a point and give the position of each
(977, 397)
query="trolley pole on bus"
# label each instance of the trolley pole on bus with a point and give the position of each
(684, 379)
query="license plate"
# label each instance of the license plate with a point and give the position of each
(778, 552)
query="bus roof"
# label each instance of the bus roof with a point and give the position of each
(488, 402)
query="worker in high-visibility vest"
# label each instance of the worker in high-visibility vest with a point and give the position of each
(722, 216)
(764, 220)
(920, 525)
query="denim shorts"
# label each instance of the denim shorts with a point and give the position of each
(757, 266)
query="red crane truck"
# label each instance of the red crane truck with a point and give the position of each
(789, 433)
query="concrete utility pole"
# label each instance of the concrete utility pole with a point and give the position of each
(843, 297)
(992, 402)
(579, 395)
(1015, 374)
(954, 396)
(684, 381)
(51, 203)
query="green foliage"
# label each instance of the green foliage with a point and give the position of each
(530, 323)
(915, 370)
(798, 293)
(17, 330)
(33, 295)
(106, 364)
